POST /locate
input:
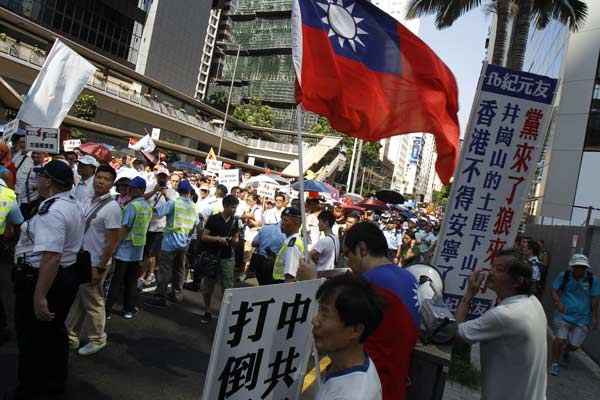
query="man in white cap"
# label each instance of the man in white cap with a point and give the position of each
(84, 190)
(576, 295)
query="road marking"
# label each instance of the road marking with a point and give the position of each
(311, 377)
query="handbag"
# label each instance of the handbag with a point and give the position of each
(209, 263)
(84, 258)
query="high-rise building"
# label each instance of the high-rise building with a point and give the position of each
(110, 27)
(264, 70)
(172, 44)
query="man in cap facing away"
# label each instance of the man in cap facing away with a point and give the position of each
(576, 295)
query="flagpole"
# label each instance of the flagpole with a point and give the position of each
(237, 57)
(301, 176)
(351, 165)
(357, 165)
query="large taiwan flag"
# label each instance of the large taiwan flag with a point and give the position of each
(372, 77)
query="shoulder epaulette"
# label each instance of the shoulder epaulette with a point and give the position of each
(292, 242)
(44, 208)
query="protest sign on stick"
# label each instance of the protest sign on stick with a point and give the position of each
(229, 178)
(262, 342)
(213, 166)
(70, 145)
(266, 189)
(503, 143)
(42, 139)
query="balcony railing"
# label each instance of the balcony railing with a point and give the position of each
(35, 58)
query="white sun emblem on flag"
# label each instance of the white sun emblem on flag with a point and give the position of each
(416, 295)
(342, 23)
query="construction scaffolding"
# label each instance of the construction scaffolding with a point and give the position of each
(264, 71)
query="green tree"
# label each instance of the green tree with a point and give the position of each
(85, 107)
(569, 12)
(254, 113)
(218, 100)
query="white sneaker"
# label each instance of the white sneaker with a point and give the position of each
(91, 348)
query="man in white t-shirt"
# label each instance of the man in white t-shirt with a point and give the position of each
(102, 223)
(349, 312)
(325, 253)
(272, 216)
(512, 334)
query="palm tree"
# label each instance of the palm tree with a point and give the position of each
(569, 12)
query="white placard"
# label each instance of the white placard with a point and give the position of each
(503, 143)
(262, 342)
(267, 190)
(43, 139)
(155, 134)
(214, 166)
(56, 88)
(70, 145)
(11, 128)
(229, 178)
(145, 144)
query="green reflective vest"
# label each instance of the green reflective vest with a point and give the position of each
(278, 269)
(183, 218)
(143, 215)
(7, 202)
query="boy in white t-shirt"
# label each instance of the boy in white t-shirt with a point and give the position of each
(349, 311)
(325, 253)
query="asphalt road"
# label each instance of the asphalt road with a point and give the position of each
(158, 355)
(161, 354)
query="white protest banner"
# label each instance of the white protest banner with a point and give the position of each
(155, 134)
(70, 145)
(503, 143)
(145, 144)
(229, 178)
(42, 139)
(262, 342)
(266, 189)
(12, 128)
(56, 88)
(213, 166)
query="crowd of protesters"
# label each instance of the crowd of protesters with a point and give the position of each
(153, 228)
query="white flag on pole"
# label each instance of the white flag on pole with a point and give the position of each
(145, 144)
(60, 81)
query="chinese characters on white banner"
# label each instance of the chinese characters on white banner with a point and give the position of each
(502, 147)
(42, 139)
(262, 343)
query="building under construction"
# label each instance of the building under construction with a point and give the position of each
(262, 29)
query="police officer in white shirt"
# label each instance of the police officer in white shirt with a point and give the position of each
(84, 191)
(46, 281)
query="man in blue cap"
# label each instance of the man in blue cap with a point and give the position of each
(182, 218)
(129, 254)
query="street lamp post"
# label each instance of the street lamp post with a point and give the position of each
(237, 57)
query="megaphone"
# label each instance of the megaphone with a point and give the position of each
(436, 318)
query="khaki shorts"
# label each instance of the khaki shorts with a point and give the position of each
(574, 334)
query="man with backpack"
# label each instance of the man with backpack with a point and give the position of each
(576, 295)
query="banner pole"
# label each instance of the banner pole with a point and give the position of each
(301, 177)
(349, 180)
(357, 165)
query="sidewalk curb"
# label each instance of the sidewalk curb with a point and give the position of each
(582, 356)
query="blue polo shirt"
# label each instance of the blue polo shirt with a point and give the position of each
(270, 237)
(577, 298)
